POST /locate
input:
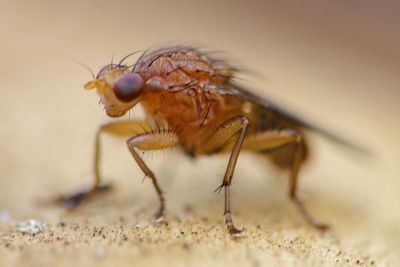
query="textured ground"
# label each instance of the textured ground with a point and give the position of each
(116, 229)
(339, 68)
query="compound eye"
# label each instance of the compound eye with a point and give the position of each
(128, 87)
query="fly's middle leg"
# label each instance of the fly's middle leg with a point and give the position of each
(236, 126)
(274, 139)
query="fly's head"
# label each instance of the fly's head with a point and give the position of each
(118, 87)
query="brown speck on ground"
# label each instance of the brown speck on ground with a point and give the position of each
(336, 62)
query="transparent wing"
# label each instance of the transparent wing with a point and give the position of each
(251, 95)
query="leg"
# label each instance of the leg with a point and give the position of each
(275, 139)
(120, 128)
(294, 173)
(152, 141)
(222, 135)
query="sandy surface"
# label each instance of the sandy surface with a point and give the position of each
(340, 69)
(117, 230)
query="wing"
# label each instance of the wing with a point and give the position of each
(235, 89)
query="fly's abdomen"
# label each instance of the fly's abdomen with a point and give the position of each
(284, 156)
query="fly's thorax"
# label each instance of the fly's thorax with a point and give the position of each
(179, 109)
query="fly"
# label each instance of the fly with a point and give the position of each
(191, 100)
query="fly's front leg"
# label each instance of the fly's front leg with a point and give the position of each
(119, 128)
(223, 134)
(152, 141)
(273, 139)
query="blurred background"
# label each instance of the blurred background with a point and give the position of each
(337, 63)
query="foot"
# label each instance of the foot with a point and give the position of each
(74, 200)
(235, 232)
(311, 221)
(320, 226)
(231, 227)
(158, 216)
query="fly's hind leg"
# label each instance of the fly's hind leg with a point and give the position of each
(294, 174)
(274, 139)
(120, 128)
(152, 141)
(236, 126)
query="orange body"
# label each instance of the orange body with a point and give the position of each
(191, 100)
(186, 94)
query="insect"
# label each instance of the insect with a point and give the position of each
(191, 100)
